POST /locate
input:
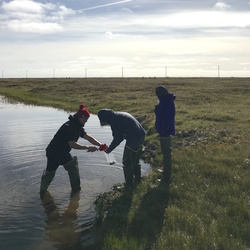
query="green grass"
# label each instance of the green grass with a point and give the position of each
(207, 206)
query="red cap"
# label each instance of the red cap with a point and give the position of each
(82, 112)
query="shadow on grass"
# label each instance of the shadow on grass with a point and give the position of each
(148, 220)
(118, 230)
(113, 208)
(118, 214)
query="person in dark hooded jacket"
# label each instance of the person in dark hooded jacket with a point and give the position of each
(165, 127)
(58, 150)
(125, 126)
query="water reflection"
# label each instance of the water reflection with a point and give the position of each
(60, 226)
(28, 222)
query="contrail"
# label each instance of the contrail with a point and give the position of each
(104, 5)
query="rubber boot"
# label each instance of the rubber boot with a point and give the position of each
(74, 177)
(128, 175)
(137, 172)
(136, 156)
(166, 147)
(46, 179)
(166, 177)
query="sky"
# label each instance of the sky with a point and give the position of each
(126, 38)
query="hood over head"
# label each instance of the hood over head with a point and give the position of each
(162, 92)
(105, 116)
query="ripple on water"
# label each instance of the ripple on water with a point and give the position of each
(27, 222)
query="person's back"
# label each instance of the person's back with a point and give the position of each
(71, 130)
(131, 130)
(165, 115)
(125, 126)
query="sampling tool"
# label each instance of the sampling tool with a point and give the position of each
(110, 157)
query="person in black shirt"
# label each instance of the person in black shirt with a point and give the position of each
(58, 150)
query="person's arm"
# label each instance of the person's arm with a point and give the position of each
(117, 139)
(92, 140)
(76, 145)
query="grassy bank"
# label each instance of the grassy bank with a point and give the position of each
(207, 206)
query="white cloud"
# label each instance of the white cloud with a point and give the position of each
(34, 27)
(26, 6)
(206, 19)
(221, 6)
(126, 10)
(110, 35)
(33, 17)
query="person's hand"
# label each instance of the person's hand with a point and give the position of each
(103, 147)
(92, 149)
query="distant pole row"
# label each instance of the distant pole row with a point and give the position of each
(86, 73)
(122, 72)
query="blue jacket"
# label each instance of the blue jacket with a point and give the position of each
(123, 126)
(165, 115)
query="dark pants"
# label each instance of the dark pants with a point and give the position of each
(71, 166)
(54, 161)
(166, 148)
(131, 164)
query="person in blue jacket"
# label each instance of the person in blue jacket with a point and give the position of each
(125, 126)
(58, 150)
(165, 127)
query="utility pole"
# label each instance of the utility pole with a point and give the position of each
(166, 71)
(122, 72)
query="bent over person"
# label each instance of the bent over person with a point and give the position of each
(165, 126)
(125, 126)
(58, 150)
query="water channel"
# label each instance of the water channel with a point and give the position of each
(26, 222)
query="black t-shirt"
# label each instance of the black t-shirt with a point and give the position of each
(69, 131)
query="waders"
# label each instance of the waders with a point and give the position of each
(166, 148)
(73, 172)
(131, 165)
(46, 179)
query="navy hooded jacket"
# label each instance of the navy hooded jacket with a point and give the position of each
(123, 126)
(165, 115)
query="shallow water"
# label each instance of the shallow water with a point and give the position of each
(59, 221)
